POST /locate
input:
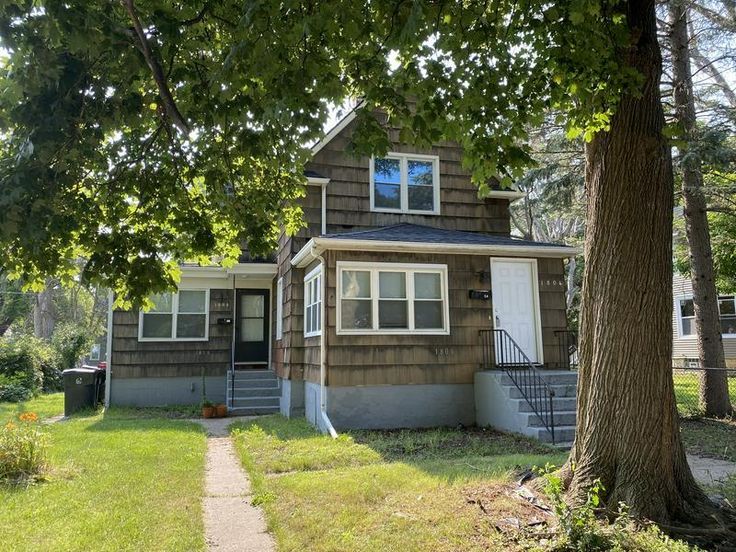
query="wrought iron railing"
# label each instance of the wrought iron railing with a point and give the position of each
(567, 343)
(500, 351)
(231, 398)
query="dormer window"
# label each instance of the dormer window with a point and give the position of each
(405, 183)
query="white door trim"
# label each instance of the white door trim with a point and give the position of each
(535, 297)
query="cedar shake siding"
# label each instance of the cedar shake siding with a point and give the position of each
(425, 359)
(348, 193)
(154, 359)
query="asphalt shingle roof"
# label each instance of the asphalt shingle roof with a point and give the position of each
(414, 233)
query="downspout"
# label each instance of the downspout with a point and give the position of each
(322, 349)
(108, 351)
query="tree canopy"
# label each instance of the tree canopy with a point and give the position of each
(137, 135)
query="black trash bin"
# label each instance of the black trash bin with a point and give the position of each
(82, 388)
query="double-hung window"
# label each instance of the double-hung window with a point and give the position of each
(392, 298)
(405, 183)
(726, 309)
(313, 303)
(176, 316)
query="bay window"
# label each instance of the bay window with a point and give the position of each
(405, 183)
(392, 298)
(176, 316)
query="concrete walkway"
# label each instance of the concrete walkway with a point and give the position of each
(231, 522)
(709, 471)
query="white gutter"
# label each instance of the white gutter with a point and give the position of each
(511, 195)
(323, 353)
(316, 246)
(108, 351)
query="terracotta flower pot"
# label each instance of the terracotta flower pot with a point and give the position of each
(208, 411)
(221, 410)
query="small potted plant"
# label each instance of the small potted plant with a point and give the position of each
(221, 410)
(208, 409)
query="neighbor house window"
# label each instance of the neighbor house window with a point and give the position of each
(392, 298)
(405, 183)
(726, 308)
(279, 308)
(94, 353)
(313, 303)
(182, 315)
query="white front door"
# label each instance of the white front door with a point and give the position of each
(515, 303)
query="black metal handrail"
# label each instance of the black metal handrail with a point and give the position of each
(567, 342)
(500, 351)
(231, 373)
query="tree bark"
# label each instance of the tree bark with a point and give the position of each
(627, 425)
(43, 313)
(714, 399)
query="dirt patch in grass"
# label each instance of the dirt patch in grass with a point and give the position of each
(711, 438)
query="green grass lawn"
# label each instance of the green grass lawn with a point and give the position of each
(43, 405)
(113, 484)
(687, 384)
(391, 490)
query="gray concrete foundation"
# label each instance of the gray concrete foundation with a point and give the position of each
(492, 404)
(292, 398)
(392, 406)
(165, 391)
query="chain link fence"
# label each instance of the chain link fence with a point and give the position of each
(687, 388)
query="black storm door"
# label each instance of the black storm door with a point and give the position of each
(252, 327)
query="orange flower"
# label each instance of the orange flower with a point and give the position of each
(10, 426)
(28, 417)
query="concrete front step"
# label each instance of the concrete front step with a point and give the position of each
(559, 390)
(559, 404)
(562, 434)
(242, 375)
(253, 383)
(253, 402)
(561, 419)
(254, 411)
(549, 377)
(248, 392)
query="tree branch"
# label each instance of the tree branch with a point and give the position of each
(158, 74)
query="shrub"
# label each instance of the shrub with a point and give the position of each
(70, 343)
(23, 446)
(12, 391)
(20, 360)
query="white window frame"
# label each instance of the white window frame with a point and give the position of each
(279, 309)
(175, 317)
(409, 270)
(404, 159)
(311, 302)
(678, 314)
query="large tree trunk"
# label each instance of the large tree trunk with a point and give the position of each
(714, 397)
(627, 424)
(43, 313)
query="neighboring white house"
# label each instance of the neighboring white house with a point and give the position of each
(684, 339)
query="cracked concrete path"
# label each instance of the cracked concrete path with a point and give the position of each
(709, 471)
(231, 522)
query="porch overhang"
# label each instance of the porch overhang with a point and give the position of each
(316, 246)
(257, 270)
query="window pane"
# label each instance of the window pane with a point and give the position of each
(191, 325)
(315, 313)
(392, 285)
(726, 305)
(252, 306)
(421, 198)
(420, 173)
(427, 286)
(428, 315)
(251, 329)
(157, 325)
(356, 283)
(162, 302)
(387, 170)
(192, 301)
(356, 314)
(392, 314)
(387, 196)
(687, 308)
(688, 325)
(728, 324)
